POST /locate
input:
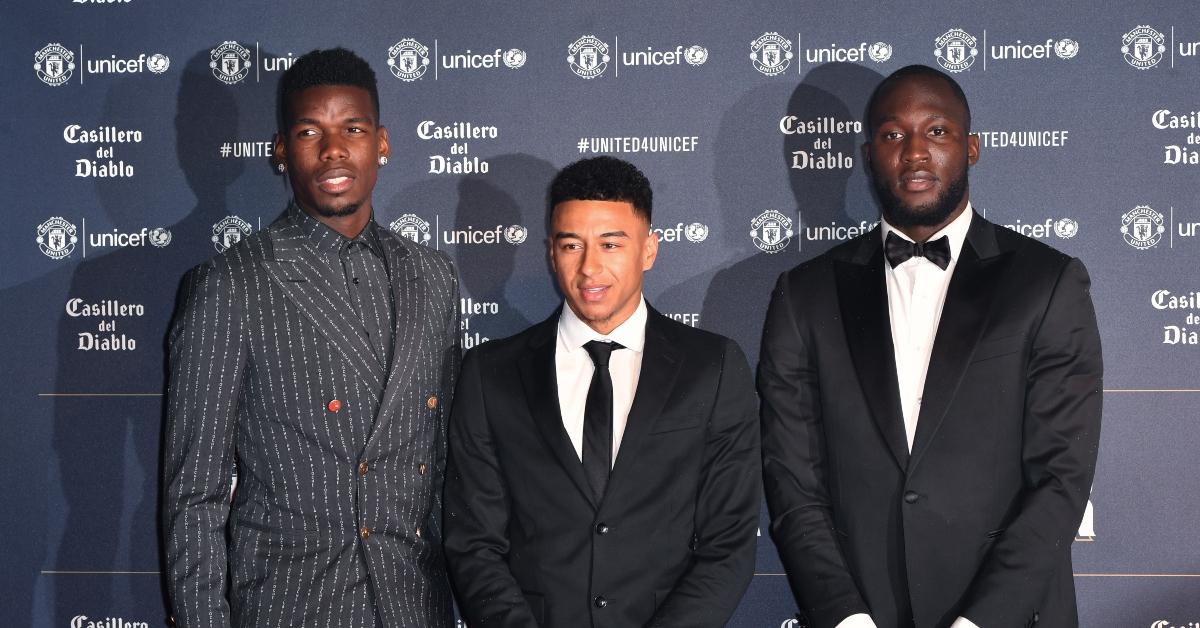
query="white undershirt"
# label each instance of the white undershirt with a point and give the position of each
(916, 293)
(574, 370)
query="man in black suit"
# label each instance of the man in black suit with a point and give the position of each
(930, 398)
(604, 466)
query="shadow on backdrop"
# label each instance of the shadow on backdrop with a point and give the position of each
(819, 197)
(107, 448)
(510, 283)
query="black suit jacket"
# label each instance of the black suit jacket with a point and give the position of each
(672, 543)
(978, 520)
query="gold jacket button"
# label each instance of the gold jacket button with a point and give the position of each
(431, 402)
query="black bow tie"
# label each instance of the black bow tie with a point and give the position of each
(900, 250)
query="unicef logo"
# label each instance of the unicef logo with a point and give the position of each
(955, 50)
(1143, 47)
(412, 227)
(771, 54)
(880, 51)
(54, 64)
(771, 231)
(696, 232)
(230, 62)
(56, 238)
(1142, 227)
(1066, 48)
(514, 58)
(159, 237)
(588, 57)
(227, 232)
(515, 234)
(158, 63)
(1066, 228)
(408, 59)
(695, 55)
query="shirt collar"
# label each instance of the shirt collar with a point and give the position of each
(631, 334)
(330, 242)
(956, 231)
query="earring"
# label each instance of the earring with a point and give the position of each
(281, 168)
(382, 160)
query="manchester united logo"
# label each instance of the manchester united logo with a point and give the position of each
(230, 62)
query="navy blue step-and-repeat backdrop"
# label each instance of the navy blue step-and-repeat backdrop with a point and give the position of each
(137, 140)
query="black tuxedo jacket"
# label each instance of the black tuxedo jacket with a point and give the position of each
(672, 542)
(978, 520)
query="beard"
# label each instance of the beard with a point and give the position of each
(330, 211)
(928, 215)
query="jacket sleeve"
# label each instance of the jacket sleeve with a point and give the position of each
(1061, 438)
(795, 468)
(451, 361)
(727, 507)
(477, 514)
(207, 355)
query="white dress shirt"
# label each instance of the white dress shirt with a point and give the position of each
(916, 292)
(574, 369)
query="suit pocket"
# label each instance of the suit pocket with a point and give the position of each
(537, 606)
(257, 526)
(675, 423)
(990, 348)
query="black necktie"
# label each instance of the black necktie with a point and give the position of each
(597, 418)
(900, 250)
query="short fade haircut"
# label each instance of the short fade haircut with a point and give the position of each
(335, 66)
(602, 179)
(903, 74)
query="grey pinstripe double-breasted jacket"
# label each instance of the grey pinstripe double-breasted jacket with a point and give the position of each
(336, 516)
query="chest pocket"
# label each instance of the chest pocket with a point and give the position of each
(998, 346)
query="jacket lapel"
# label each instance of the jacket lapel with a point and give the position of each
(862, 295)
(965, 314)
(660, 366)
(410, 300)
(539, 380)
(309, 283)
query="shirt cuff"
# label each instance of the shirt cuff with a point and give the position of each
(963, 622)
(863, 620)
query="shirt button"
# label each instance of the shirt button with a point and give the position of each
(334, 405)
(431, 402)
(355, 280)
(363, 468)
(365, 533)
(421, 469)
(599, 601)
(602, 529)
(911, 497)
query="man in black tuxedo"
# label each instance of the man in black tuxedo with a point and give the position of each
(604, 466)
(930, 398)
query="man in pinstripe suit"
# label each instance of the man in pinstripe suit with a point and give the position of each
(316, 357)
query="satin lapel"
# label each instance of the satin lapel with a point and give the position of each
(410, 300)
(310, 284)
(661, 364)
(862, 295)
(540, 383)
(964, 316)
